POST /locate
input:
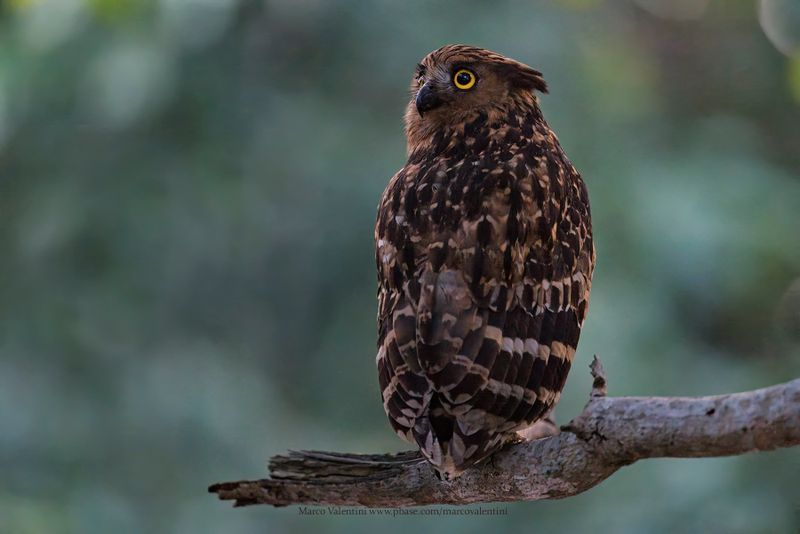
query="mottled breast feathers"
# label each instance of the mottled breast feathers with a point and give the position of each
(485, 257)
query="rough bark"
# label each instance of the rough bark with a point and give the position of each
(610, 432)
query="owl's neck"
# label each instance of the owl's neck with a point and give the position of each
(472, 132)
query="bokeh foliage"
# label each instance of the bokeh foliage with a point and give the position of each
(187, 194)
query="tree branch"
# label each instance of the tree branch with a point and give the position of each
(610, 432)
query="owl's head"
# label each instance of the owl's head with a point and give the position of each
(457, 81)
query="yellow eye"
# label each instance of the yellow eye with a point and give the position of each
(464, 79)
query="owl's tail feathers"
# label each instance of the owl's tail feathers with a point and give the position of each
(433, 433)
(448, 447)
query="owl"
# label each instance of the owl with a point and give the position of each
(484, 251)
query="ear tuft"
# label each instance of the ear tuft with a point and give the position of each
(522, 76)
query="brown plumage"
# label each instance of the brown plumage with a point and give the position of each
(485, 258)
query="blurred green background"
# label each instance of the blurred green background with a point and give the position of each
(187, 286)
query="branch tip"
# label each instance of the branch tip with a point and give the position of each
(599, 385)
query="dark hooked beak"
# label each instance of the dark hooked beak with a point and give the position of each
(427, 99)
